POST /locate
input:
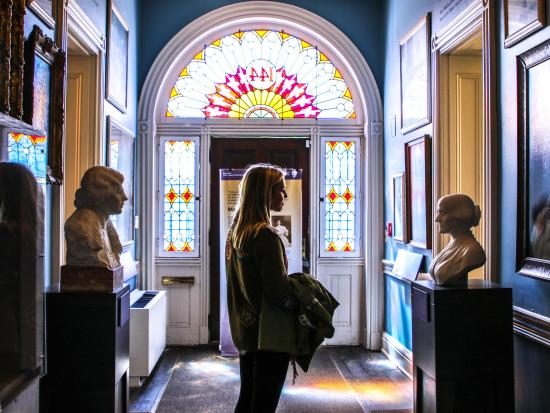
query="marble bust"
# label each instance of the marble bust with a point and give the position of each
(91, 237)
(456, 215)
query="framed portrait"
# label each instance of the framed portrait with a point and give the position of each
(533, 226)
(414, 53)
(283, 226)
(120, 156)
(418, 191)
(522, 18)
(399, 207)
(43, 97)
(117, 59)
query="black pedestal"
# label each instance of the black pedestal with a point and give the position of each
(87, 339)
(462, 348)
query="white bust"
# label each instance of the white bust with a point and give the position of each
(91, 237)
(456, 215)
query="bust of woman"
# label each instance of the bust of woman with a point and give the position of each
(91, 237)
(456, 215)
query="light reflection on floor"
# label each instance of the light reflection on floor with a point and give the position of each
(373, 383)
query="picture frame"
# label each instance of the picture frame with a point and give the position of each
(120, 156)
(400, 230)
(415, 76)
(44, 9)
(117, 59)
(5, 56)
(419, 191)
(43, 96)
(533, 203)
(17, 58)
(522, 18)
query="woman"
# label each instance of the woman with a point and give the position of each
(456, 215)
(256, 279)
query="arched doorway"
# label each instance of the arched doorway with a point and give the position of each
(350, 268)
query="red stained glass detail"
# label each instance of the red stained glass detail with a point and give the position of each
(332, 144)
(187, 195)
(347, 248)
(348, 196)
(187, 247)
(171, 248)
(331, 247)
(171, 196)
(332, 195)
(348, 145)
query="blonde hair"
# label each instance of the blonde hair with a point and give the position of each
(252, 211)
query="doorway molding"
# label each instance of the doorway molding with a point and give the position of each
(368, 123)
(477, 17)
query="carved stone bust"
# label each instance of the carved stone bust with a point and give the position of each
(456, 215)
(91, 237)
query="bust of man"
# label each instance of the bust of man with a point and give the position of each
(91, 237)
(456, 215)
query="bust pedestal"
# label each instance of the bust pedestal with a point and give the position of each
(83, 278)
(463, 357)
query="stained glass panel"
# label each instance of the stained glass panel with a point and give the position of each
(31, 151)
(179, 196)
(340, 195)
(260, 74)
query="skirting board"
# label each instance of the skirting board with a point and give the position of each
(397, 353)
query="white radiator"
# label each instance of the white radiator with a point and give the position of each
(147, 332)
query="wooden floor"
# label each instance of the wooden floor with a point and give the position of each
(340, 379)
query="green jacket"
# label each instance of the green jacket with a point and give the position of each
(271, 311)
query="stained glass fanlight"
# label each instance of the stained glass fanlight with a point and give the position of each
(260, 74)
(340, 195)
(179, 196)
(31, 151)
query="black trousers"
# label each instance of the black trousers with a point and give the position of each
(263, 375)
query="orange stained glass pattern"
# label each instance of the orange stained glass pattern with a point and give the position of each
(260, 74)
(340, 187)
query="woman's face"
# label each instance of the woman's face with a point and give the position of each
(445, 218)
(278, 196)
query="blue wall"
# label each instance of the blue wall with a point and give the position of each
(361, 20)
(532, 361)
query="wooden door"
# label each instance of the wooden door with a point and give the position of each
(239, 153)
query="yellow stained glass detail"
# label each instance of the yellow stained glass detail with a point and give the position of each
(217, 42)
(337, 74)
(174, 92)
(169, 114)
(347, 94)
(284, 36)
(239, 35)
(347, 144)
(187, 195)
(199, 56)
(347, 196)
(331, 247)
(347, 248)
(332, 144)
(171, 196)
(333, 195)
(323, 58)
(184, 72)
(262, 33)
(305, 45)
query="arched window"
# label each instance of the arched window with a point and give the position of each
(260, 74)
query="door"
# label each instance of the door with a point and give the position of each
(226, 153)
(466, 134)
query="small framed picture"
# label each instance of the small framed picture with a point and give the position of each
(414, 54)
(521, 19)
(419, 191)
(399, 207)
(117, 59)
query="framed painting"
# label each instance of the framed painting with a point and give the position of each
(418, 191)
(414, 53)
(120, 156)
(43, 96)
(522, 18)
(533, 226)
(117, 59)
(399, 207)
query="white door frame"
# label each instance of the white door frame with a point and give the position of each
(477, 17)
(368, 123)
